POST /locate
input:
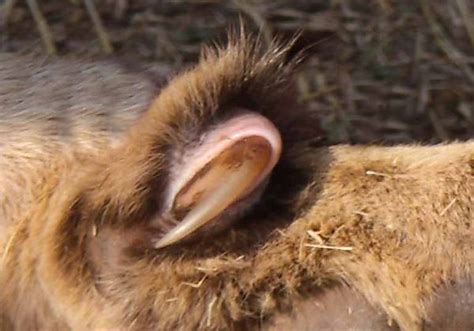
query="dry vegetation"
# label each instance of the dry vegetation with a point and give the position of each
(378, 70)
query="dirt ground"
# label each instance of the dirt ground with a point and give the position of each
(377, 71)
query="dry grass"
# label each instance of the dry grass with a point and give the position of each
(380, 71)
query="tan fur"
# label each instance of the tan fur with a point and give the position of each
(54, 107)
(395, 222)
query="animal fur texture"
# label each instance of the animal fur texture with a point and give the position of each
(85, 154)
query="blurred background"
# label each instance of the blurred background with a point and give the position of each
(376, 71)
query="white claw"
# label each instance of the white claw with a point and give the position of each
(211, 206)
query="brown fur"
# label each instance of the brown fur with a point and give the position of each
(333, 309)
(77, 206)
